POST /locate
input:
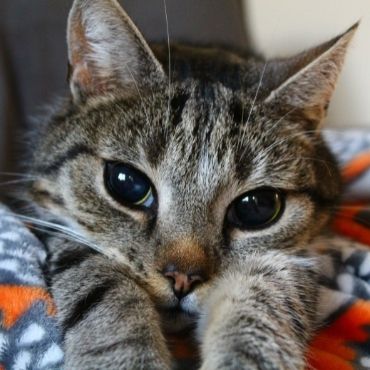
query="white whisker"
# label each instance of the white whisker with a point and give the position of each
(169, 61)
(61, 235)
(279, 120)
(257, 92)
(69, 234)
(268, 150)
(139, 93)
(17, 175)
(14, 182)
(253, 104)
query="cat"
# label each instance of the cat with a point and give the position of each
(188, 183)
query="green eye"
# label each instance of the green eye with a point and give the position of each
(256, 209)
(128, 185)
(147, 199)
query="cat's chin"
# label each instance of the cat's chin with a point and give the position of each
(176, 319)
(180, 315)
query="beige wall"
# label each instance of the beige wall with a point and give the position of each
(284, 27)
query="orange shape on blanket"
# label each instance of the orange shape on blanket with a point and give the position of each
(329, 349)
(345, 223)
(356, 167)
(16, 300)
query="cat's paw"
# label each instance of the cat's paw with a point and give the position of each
(116, 361)
(240, 359)
(230, 362)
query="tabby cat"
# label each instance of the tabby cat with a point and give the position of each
(188, 184)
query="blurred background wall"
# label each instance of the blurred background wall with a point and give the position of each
(282, 27)
(33, 57)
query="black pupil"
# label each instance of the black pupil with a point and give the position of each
(126, 184)
(257, 208)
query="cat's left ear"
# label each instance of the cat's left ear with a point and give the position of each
(107, 52)
(304, 84)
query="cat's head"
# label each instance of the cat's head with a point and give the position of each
(178, 171)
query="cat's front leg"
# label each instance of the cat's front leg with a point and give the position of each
(108, 320)
(260, 315)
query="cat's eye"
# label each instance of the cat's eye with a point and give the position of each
(256, 209)
(128, 185)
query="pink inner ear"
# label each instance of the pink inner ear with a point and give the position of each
(110, 57)
(82, 70)
(78, 42)
(82, 77)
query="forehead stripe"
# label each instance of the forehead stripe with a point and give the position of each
(178, 103)
(69, 155)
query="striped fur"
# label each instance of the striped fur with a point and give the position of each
(221, 124)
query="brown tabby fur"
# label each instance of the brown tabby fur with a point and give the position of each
(205, 126)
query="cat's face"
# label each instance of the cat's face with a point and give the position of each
(180, 178)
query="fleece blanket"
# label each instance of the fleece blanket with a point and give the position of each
(29, 335)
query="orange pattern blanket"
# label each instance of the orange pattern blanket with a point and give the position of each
(29, 337)
(344, 341)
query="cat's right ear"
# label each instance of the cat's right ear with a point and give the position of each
(107, 52)
(304, 84)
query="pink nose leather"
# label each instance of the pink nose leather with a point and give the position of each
(182, 283)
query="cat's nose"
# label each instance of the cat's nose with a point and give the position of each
(182, 283)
